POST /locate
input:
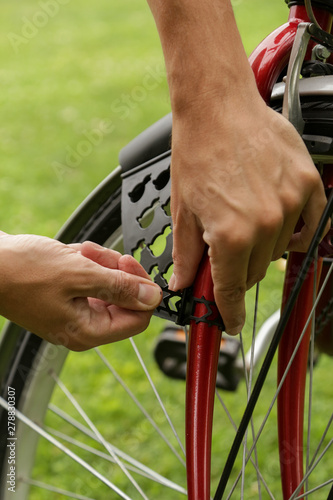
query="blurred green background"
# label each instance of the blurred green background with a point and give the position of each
(78, 81)
(68, 73)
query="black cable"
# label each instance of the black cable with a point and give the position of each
(272, 350)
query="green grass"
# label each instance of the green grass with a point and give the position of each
(125, 427)
(64, 118)
(69, 79)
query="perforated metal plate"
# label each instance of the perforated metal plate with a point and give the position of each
(147, 231)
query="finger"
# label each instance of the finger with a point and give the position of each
(311, 216)
(283, 241)
(104, 324)
(75, 246)
(120, 288)
(188, 249)
(259, 262)
(128, 264)
(229, 273)
(112, 259)
(124, 324)
(101, 255)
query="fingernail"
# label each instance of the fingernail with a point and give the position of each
(150, 295)
(172, 285)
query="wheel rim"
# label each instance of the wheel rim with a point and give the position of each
(44, 374)
(50, 355)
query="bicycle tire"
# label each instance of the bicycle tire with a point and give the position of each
(97, 219)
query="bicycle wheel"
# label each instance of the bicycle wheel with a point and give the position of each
(299, 332)
(51, 386)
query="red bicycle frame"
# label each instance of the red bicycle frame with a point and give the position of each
(268, 62)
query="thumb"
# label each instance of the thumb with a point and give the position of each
(122, 289)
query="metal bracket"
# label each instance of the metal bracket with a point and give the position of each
(321, 36)
(147, 233)
(305, 31)
(315, 29)
(291, 102)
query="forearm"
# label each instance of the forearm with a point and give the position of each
(203, 51)
(241, 176)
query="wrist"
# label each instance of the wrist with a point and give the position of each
(224, 87)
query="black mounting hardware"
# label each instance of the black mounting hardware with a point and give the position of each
(321, 36)
(147, 231)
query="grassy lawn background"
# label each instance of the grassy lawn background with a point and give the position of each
(68, 79)
(73, 93)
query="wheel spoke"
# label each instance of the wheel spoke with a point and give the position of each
(91, 439)
(60, 491)
(285, 375)
(136, 465)
(330, 481)
(311, 362)
(314, 465)
(138, 468)
(248, 380)
(248, 367)
(252, 461)
(321, 440)
(158, 397)
(99, 436)
(65, 450)
(138, 404)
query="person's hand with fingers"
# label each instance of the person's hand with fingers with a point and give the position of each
(243, 207)
(241, 175)
(80, 295)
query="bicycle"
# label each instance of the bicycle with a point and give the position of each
(30, 367)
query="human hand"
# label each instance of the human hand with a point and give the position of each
(80, 295)
(241, 176)
(241, 179)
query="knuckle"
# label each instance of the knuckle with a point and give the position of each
(292, 201)
(235, 239)
(308, 181)
(123, 288)
(311, 176)
(117, 287)
(270, 220)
